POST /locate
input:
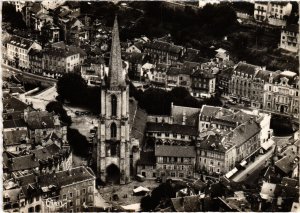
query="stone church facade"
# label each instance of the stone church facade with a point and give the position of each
(114, 142)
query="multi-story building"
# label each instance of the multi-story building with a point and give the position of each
(51, 32)
(240, 85)
(175, 161)
(226, 138)
(203, 84)
(171, 134)
(75, 190)
(258, 83)
(42, 123)
(15, 139)
(281, 93)
(63, 191)
(223, 79)
(272, 12)
(60, 60)
(36, 61)
(179, 77)
(18, 49)
(164, 52)
(289, 39)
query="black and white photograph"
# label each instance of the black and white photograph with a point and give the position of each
(150, 106)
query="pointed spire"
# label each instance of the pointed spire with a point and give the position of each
(116, 77)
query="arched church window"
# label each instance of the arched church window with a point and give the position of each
(113, 105)
(113, 130)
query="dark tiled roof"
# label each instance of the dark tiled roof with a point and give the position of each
(179, 71)
(59, 52)
(23, 163)
(172, 128)
(10, 102)
(27, 179)
(286, 191)
(14, 137)
(14, 123)
(203, 74)
(244, 132)
(163, 46)
(36, 7)
(46, 152)
(292, 28)
(64, 178)
(175, 151)
(191, 115)
(246, 68)
(40, 120)
(31, 161)
(135, 58)
(139, 124)
(227, 73)
(77, 50)
(23, 43)
(263, 75)
(209, 111)
(286, 163)
(213, 142)
(147, 158)
(286, 181)
(186, 204)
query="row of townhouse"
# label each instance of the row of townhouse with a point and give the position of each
(262, 89)
(72, 190)
(273, 13)
(208, 141)
(28, 54)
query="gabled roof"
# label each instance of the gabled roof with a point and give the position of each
(63, 178)
(40, 120)
(175, 151)
(172, 128)
(14, 137)
(10, 102)
(186, 204)
(191, 115)
(245, 68)
(14, 123)
(264, 75)
(23, 43)
(164, 46)
(287, 163)
(139, 124)
(203, 74)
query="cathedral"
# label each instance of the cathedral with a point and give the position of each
(120, 130)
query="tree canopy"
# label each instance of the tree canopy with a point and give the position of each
(57, 108)
(78, 143)
(158, 101)
(73, 88)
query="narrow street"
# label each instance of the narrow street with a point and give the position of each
(252, 166)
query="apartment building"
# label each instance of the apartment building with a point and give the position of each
(18, 49)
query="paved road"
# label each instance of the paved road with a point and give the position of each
(259, 161)
(26, 74)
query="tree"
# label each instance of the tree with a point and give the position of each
(72, 87)
(57, 108)
(10, 15)
(78, 143)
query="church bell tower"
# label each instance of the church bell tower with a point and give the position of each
(113, 157)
